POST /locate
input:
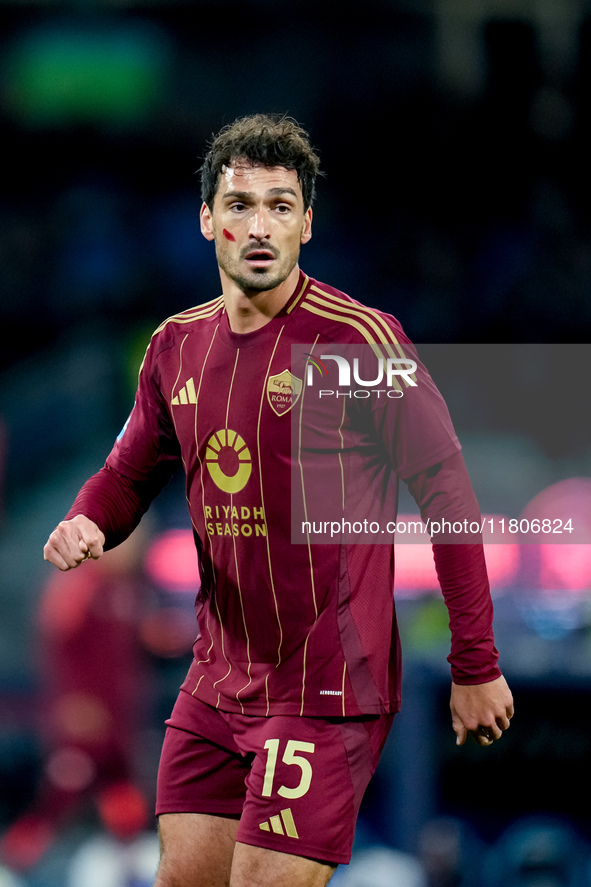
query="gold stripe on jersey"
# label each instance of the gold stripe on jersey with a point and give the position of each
(231, 386)
(369, 323)
(176, 381)
(220, 680)
(344, 413)
(213, 338)
(199, 312)
(271, 578)
(351, 322)
(299, 296)
(343, 507)
(312, 583)
(207, 618)
(201, 661)
(267, 692)
(238, 583)
(375, 321)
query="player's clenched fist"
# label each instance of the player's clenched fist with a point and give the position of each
(74, 541)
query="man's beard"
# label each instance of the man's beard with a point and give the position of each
(258, 280)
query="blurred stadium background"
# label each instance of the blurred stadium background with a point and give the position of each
(456, 139)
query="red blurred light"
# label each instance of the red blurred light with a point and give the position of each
(565, 554)
(502, 558)
(502, 561)
(415, 569)
(172, 562)
(565, 567)
(123, 809)
(168, 632)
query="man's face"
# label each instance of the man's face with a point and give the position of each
(258, 223)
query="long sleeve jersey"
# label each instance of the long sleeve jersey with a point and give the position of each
(308, 421)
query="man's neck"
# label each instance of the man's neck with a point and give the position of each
(248, 312)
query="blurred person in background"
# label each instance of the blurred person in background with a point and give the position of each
(384, 867)
(94, 676)
(296, 675)
(450, 854)
(540, 850)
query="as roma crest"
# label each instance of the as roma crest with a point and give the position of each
(283, 391)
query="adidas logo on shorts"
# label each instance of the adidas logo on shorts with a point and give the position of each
(282, 824)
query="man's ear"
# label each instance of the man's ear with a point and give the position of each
(307, 226)
(206, 222)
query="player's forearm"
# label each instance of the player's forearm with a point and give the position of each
(114, 502)
(461, 570)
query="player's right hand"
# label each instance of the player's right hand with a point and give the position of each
(74, 541)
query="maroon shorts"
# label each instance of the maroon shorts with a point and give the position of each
(296, 783)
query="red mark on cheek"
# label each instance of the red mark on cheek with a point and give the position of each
(228, 236)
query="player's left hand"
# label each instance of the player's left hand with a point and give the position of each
(482, 711)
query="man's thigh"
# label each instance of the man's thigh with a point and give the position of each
(196, 850)
(259, 867)
(201, 851)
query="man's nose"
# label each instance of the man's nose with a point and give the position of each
(259, 225)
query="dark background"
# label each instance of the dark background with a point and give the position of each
(455, 139)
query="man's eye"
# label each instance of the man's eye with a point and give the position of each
(283, 208)
(237, 207)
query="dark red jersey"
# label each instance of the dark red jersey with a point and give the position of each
(292, 621)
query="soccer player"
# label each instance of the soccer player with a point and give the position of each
(295, 680)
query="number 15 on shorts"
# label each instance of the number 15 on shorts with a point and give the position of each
(293, 755)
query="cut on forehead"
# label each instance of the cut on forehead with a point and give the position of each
(239, 164)
(245, 169)
(243, 180)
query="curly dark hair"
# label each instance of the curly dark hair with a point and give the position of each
(265, 139)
